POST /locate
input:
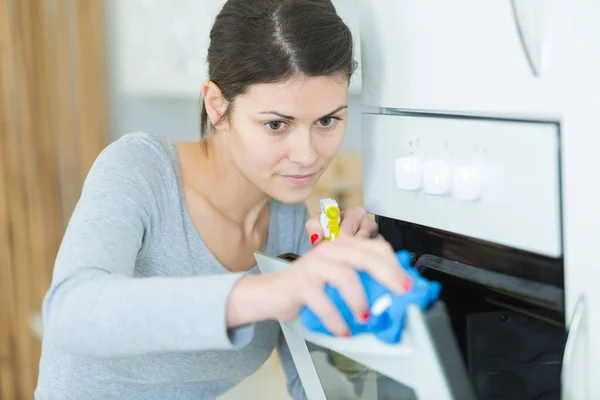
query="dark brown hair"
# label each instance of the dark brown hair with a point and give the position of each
(265, 41)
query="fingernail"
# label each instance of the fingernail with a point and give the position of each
(365, 316)
(314, 237)
(407, 285)
(346, 335)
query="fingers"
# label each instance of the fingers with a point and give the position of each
(356, 222)
(373, 256)
(389, 272)
(347, 281)
(314, 230)
(352, 220)
(368, 229)
(320, 304)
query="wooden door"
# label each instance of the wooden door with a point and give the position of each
(53, 123)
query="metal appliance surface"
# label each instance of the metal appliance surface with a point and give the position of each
(480, 155)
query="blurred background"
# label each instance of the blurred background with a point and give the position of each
(74, 76)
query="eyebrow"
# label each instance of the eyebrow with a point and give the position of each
(293, 118)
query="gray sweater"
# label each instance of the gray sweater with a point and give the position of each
(136, 309)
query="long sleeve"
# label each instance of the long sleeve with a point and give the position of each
(96, 307)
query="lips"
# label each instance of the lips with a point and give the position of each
(304, 176)
(303, 179)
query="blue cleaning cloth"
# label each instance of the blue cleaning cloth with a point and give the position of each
(387, 326)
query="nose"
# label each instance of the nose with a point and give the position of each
(302, 150)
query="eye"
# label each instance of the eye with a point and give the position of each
(275, 126)
(328, 122)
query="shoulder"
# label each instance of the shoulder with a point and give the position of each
(135, 164)
(135, 153)
(137, 150)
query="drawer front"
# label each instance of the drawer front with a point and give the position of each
(498, 181)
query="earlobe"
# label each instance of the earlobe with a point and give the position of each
(214, 102)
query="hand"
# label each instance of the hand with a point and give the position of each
(302, 284)
(354, 222)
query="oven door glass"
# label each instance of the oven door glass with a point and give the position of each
(426, 364)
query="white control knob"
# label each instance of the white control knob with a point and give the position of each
(408, 172)
(466, 182)
(437, 177)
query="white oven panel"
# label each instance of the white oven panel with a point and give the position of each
(497, 181)
(494, 56)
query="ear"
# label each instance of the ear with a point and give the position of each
(215, 103)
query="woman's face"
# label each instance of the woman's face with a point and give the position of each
(282, 136)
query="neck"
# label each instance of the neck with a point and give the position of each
(234, 196)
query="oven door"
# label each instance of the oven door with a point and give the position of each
(426, 364)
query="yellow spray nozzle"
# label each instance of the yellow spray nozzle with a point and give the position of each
(332, 212)
(330, 218)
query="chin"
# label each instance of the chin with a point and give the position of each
(292, 195)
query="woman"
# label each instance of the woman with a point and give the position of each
(155, 293)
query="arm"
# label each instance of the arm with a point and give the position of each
(95, 307)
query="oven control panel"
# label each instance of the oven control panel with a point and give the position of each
(463, 182)
(497, 181)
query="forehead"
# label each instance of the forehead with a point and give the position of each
(297, 96)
